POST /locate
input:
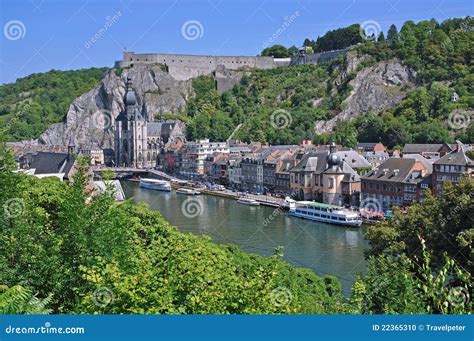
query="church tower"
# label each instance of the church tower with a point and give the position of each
(130, 133)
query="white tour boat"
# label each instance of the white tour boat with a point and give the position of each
(248, 201)
(324, 213)
(187, 191)
(159, 185)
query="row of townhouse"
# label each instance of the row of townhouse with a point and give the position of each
(330, 174)
(401, 181)
(304, 172)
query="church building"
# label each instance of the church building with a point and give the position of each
(138, 140)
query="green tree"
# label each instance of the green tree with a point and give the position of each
(440, 222)
(277, 51)
(292, 50)
(392, 34)
(381, 37)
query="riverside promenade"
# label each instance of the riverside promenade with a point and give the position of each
(265, 200)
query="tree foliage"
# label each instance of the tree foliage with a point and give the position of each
(277, 51)
(309, 93)
(420, 261)
(337, 39)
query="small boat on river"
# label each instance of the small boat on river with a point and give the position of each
(188, 191)
(159, 185)
(248, 201)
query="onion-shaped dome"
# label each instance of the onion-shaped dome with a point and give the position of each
(333, 160)
(130, 96)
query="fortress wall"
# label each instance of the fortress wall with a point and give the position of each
(184, 67)
(174, 61)
(325, 56)
(316, 58)
(182, 73)
(282, 61)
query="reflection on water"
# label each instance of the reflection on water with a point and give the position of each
(326, 249)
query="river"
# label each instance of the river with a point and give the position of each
(323, 248)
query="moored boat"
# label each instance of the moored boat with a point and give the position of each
(187, 191)
(324, 213)
(248, 201)
(159, 185)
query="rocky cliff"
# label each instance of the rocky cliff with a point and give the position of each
(374, 88)
(91, 117)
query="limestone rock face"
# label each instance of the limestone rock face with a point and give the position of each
(91, 117)
(374, 88)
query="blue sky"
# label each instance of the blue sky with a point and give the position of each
(39, 35)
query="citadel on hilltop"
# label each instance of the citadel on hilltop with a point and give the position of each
(184, 67)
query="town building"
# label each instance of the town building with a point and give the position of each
(370, 147)
(305, 176)
(282, 176)
(374, 153)
(272, 164)
(252, 167)
(341, 183)
(96, 155)
(428, 151)
(216, 168)
(323, 176)
(452, 167)
(395, 182)
(355, 160)
(234, 172)
(194, 153)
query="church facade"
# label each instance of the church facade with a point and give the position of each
(139, 140)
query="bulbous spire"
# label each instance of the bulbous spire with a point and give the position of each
(130, 96)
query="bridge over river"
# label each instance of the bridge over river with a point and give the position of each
(122, 172)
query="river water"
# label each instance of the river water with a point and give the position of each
(323, 248)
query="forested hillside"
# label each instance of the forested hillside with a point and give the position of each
(31, 104)
(294, 98)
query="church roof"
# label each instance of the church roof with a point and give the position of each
(160, 128)
(52, 163)
(153, 129)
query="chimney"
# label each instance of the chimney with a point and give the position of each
(385, 171)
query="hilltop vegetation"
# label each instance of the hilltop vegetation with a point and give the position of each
(441, 54)
(31, 104)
